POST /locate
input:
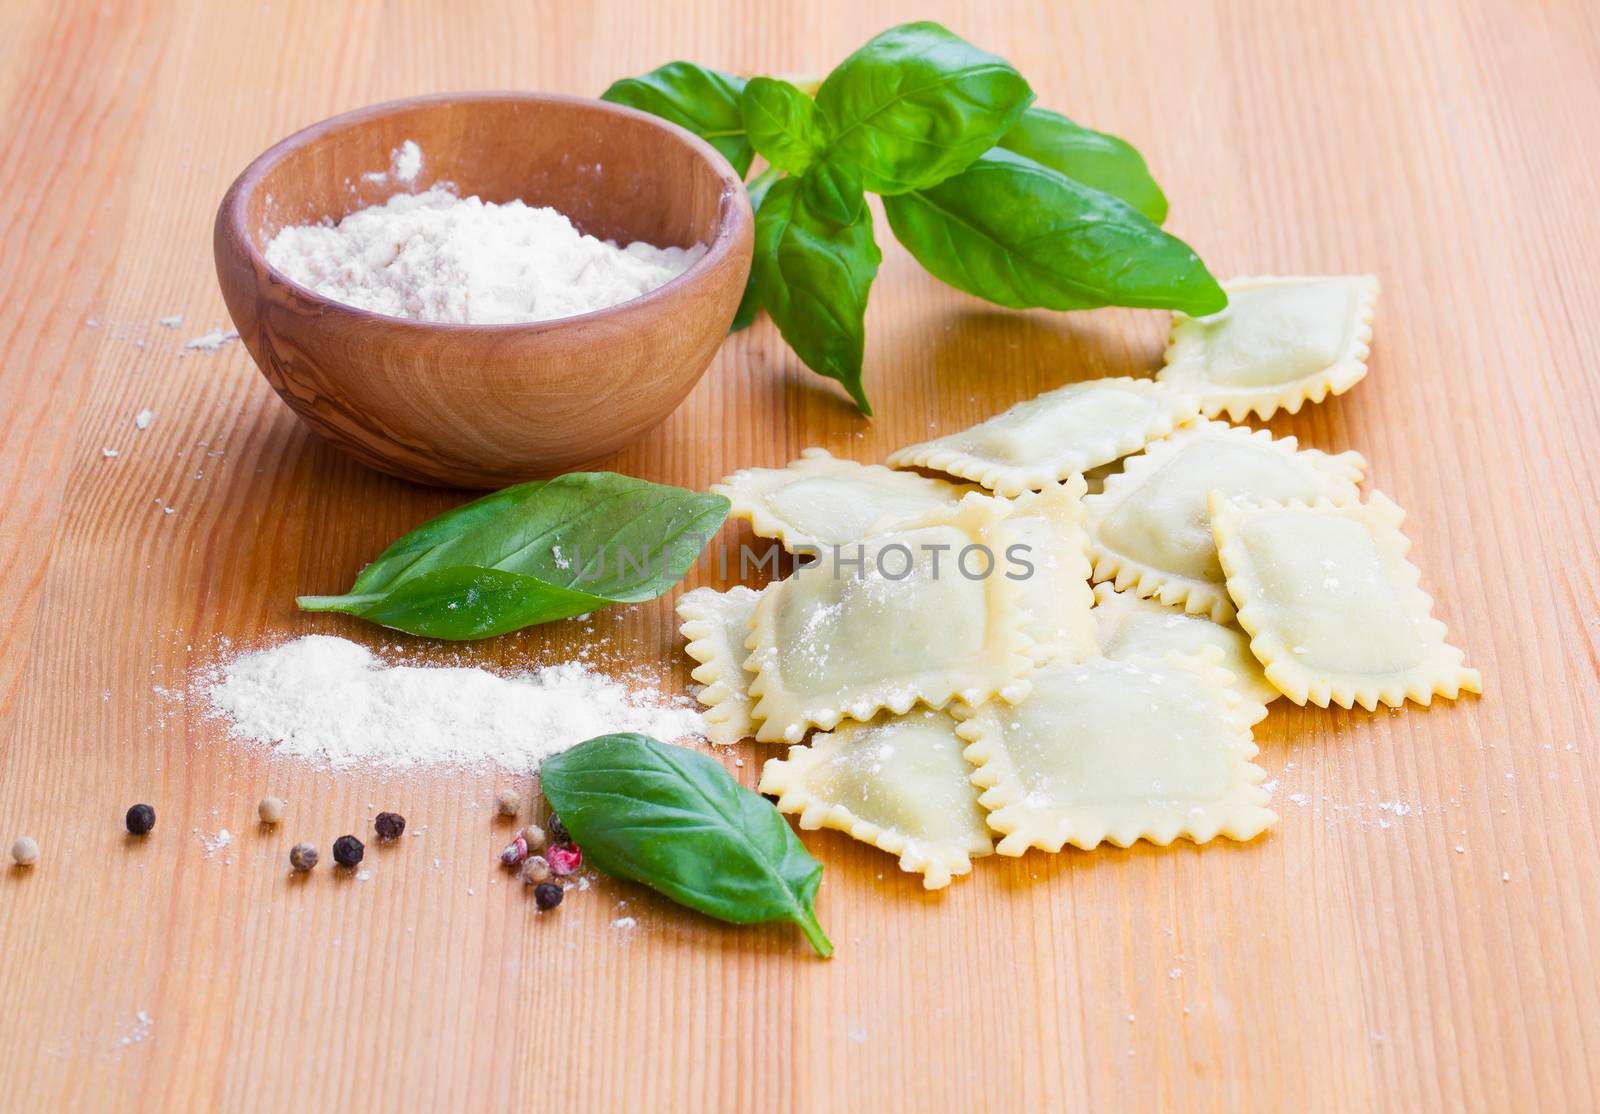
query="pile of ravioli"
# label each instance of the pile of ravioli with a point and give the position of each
(1184, 573)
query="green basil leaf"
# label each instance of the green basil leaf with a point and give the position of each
(1019, 234)
(704, 100)
(814, 277)
(833, 191)
(674, 820)
(783, 124)
(750, 303)
(917, 104)
(533, 553)
(1093, 158)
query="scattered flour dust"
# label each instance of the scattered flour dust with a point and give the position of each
(435, 256)
(334, 701)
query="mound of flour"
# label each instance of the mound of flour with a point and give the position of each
(334, 701)
(434, 256)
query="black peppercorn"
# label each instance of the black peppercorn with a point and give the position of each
(140, 819)
(390, 825)
(556, 830)
(548, 894)
(348, 850)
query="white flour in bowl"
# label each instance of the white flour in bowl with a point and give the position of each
(334, 701)
(434, 256)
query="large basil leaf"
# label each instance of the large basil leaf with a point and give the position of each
(916, 104)
(1093, 158)
(814, 276)
(532, 553)
(704, 100)
(750, 304)
(783, 124)
(674, 820)
(1019, 234)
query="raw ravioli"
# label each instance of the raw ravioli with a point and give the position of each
(1062, 433)
(1056, 591)
(820, 501)
(716, 624)
(828, 643)
(1128, 626)
(1282, 342)
(898, 783)
(1119, 751)
(1332, 606)
(1150, 529)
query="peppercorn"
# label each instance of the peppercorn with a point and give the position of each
(514, 852)
(564, 859)
(534, 836)
(25, 851)
(508, 802)
(390, 825)
(548, 894)
(270, 809)
(348, 850)
(535, 870)
(303, 856)
(140, 819)
(558, 830)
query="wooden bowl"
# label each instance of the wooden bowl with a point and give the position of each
(487, 405)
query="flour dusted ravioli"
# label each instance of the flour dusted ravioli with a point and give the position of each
(832, 642)
(1150, 528)
(1282, 342)
(1332, 605)
(898, 783)
(820, 501)
(1120, 751)
(1128, 627)
(715, 624)
(1062, 433)
(1056, 592)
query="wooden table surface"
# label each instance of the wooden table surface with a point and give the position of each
(1420, 930)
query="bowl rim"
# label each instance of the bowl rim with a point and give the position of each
(231, 212)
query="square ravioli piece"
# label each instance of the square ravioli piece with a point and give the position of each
(1150, 529)
(1282, 342)
(1332, 606)
(1128, 627)
(899, 784)
(819, 500)
(1062, 433)
(1120, 751)
(927, 613)
(715, 625)
(1056, 592)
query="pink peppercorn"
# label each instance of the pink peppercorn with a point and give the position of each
(565, 859)
(515, 852)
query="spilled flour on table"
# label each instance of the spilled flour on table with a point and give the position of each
(336, 702)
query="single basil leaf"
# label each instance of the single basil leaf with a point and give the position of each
(916, 104)
(532, 553)
(674, 820)
(833, 191)
(814, 278)
(783, 124)
(704, 100)
(750, 303)
(1018, 234)
(1093, 158)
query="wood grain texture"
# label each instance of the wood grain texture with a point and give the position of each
(1435, 954)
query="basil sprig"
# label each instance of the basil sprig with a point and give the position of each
(533, 553)
(674, 820)
(1013, 203)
